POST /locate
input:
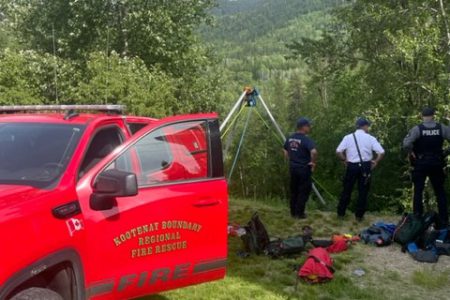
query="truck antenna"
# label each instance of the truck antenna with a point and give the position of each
(107, 66)
(55, 66)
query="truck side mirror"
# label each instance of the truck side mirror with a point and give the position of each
(111, 184)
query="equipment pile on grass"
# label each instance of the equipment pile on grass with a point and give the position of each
(318, 267)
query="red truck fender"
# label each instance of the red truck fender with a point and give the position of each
(65, 256)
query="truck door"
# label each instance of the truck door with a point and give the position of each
(173, 232)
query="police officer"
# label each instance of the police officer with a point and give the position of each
(301, 152)
(424, 144)
(356, 151)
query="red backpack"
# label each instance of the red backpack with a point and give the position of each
(338, 246)
(318, 267)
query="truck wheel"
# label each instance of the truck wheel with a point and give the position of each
(37, 294)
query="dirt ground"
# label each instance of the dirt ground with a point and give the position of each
(422, 280)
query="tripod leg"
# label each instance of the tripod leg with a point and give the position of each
(230, 137)
(316, 191)
(241, 141)
(272, 119)
(233, 110)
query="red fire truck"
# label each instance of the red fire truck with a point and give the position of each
(95, 204)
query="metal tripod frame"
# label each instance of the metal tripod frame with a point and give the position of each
(235, 108)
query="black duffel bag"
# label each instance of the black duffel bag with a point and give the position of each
(286, 247)
(256, 237)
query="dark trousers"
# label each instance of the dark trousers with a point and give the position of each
(355, 173)
(437, 178)
(301, 185)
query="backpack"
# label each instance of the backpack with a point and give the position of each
(375, 235)
(338, 246)
(422, 255)
(425, 256)
(435, 240)
(345, 237)
(256, 237)
(411, 227)
(286, 247)
(388, 227)
(318, 267)
(431, 236)
(322, 243)
(442, 248)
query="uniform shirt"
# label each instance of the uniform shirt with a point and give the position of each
(367, 145)
(299, 148)
(414, 134)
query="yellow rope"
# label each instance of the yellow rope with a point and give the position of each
(232, 122)
(268, 127)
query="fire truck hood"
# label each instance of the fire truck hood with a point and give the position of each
(12, 198)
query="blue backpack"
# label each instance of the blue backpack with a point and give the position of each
(377, 235)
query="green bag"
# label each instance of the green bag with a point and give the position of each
(411, 227)
(289, 246)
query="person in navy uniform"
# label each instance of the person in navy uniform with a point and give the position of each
(424, 144)
(356, 151)
(301, 152)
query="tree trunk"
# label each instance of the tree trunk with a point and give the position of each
(323, 92)
(123, 12)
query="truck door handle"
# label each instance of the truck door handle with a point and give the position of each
(67, 210)
(206, 202)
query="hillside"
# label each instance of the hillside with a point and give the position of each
(246, 21)
(249, 39)
(250, 29)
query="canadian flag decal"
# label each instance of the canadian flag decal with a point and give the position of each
(74, 225)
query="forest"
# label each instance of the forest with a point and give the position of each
(330, 60)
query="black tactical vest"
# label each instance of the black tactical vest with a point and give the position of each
(430, 143)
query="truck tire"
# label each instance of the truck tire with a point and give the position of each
(37, 294)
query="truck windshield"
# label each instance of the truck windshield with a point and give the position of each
(36, 154)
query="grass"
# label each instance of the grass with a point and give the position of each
(390, 274)
(431, 280)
